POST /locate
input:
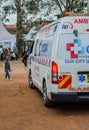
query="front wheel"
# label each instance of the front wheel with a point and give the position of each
(31, 85)
(46, 101)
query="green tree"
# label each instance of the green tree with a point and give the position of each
(62, 6)
(21, 8)
(47, 9)
(76, 6)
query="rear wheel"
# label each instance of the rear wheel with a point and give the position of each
(31, 85)
(46, 101)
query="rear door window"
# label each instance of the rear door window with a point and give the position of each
(74, 49)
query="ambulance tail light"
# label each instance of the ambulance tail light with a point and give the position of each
(54, 73)
(87, 30)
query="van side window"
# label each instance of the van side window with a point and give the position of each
(37, 48)
(43, 47)
(31, 47)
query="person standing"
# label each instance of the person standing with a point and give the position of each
(7, 69)
(9, 52)
(1, 53)
(16, 53)
(24, 58)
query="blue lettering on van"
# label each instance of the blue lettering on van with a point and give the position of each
(87, 49)
(77, 61)
(67, 25)
(44, 47)
(87, 61)
(64, 26)
(55, 28)
(80, 61)
(69, 61)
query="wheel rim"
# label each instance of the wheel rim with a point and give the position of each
(30, 80)
(45, 93)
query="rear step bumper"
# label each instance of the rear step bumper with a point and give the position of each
(70, 97)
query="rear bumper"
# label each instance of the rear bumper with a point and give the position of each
(70, 97)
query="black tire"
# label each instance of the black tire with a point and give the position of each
(46, 101)
(31, 85)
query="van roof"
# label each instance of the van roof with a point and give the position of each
(72, 15)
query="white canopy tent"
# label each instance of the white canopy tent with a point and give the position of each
(31, 34)
(7, 40)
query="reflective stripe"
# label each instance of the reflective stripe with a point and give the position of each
(65, 82)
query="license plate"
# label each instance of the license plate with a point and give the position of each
(87, 76)
(83, 78)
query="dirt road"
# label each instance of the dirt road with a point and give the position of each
(21, 108)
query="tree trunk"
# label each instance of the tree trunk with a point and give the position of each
(19, 33)
(19, 28)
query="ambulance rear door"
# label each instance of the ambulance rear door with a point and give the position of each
(73, 56)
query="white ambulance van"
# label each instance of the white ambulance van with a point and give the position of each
(59, 62)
